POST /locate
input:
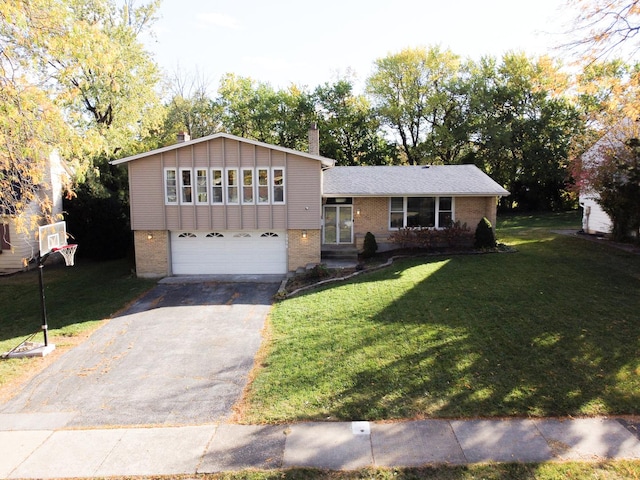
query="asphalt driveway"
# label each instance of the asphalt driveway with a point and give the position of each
(180, 355)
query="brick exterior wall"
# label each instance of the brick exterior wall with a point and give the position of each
(470, 210)
(374, 216)
(152, 255)
(303, 251)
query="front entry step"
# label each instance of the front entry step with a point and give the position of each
(339, 252)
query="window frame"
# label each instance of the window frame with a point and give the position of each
(260, 187)
(248, 187)
(167, 200)
(282, 186)
(405, 201)
(186, 187)
(198, 186)
(228, 186)
(219, 187)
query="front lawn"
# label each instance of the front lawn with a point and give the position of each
(77, 299)
(550, 330)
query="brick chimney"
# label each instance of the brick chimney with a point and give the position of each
(183, 137)
(314, 139)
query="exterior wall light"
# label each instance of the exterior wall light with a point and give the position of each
(304, 234)
(358, 211)
(149, 236)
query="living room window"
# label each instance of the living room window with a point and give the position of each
(429, 212)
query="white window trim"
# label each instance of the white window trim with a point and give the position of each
(273, 186)
(196, 196)
(166, 186)
(243, 186)
(182, 186)
(258, 186)
(227, 186)
(212, 186)
(437, 210)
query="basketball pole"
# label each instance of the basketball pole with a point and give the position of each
(43, 305)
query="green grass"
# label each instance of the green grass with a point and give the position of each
(550, 330)
(77, 299)
(618, 470)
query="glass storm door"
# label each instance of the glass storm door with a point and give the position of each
(338, 224)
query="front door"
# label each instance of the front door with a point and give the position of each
(338, 224)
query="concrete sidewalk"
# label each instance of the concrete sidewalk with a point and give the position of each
(33, 447)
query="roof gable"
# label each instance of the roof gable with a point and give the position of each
(325, 161)
(448, 180)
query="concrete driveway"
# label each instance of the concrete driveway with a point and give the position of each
(180, 355)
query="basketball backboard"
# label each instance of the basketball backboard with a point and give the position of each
(52, 236)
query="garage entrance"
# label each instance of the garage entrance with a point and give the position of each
(229, 252)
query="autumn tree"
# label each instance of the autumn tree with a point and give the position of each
(604, 27)
(75, 77)
(413, 93)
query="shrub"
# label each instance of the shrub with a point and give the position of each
(484, 236)
(370, 245)
(455, 236)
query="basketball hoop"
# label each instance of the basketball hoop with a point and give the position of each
(68, 252)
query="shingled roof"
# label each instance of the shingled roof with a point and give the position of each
(437, 180)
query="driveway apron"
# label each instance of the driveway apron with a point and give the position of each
(180, 355)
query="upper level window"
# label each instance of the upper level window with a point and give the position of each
(216, 186)
(263, 185)
(170, 186)
(435, 212)
(278, 185)
(232, 185)
(247, 185)
(186, 186)
(201, 186)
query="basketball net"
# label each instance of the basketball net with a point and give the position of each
(68, 252)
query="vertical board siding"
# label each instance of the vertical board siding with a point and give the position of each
(303, 193)
(147, 194)
(302, 187)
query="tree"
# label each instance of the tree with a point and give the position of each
(611, 169)
(190, 108)
(604, 27)
(349, 128)
(521, 129)
(255, 110)
(413, 94)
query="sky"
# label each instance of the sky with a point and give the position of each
(309, 43)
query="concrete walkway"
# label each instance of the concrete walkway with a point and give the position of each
(33, 447)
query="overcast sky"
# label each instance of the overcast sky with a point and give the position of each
(312, 42)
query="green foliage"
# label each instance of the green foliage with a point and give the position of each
(97, 214)
(456, 236)
(349, 128)
(370, 246)
(484, 236)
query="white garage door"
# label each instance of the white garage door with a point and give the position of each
(228, 252)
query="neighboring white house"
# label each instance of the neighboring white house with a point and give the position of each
(594, 219)
(19, 248)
